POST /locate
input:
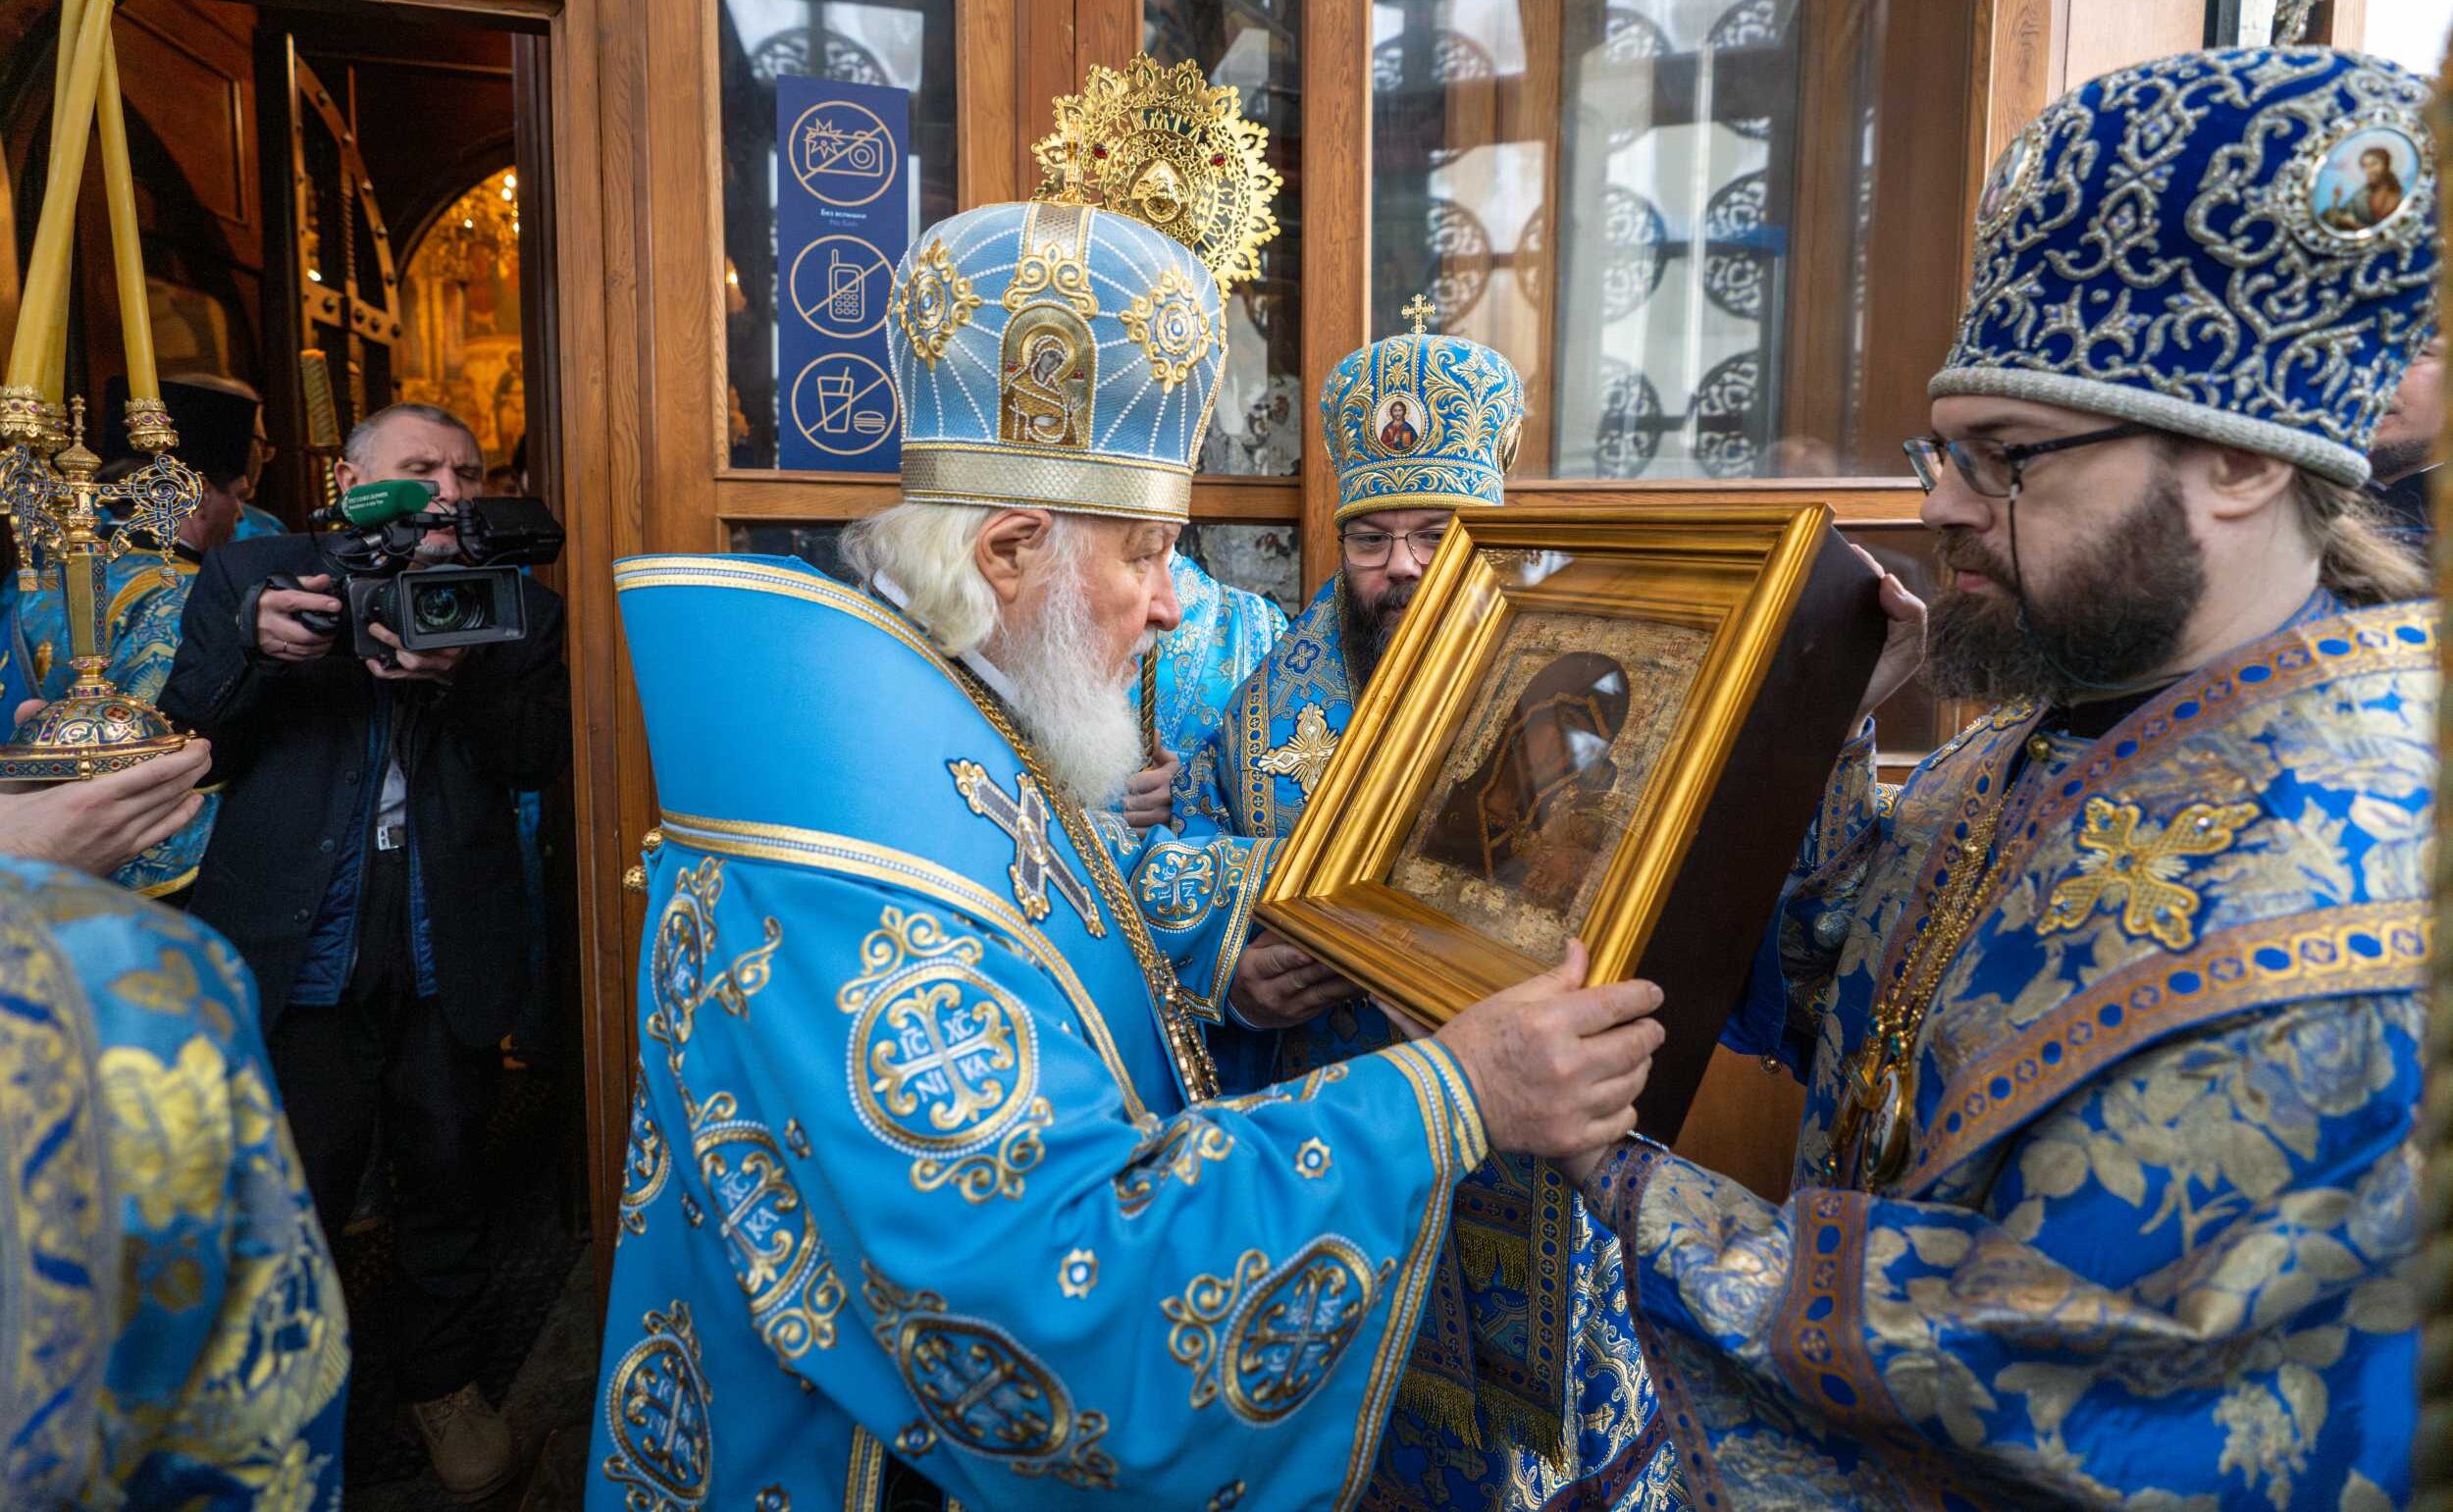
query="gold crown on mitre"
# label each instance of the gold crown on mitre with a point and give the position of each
(1172, 151)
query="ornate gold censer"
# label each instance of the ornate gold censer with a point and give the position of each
(66, 537)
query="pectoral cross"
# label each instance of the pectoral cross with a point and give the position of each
(1023, 816)
(1418, 310)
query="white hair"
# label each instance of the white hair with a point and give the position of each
(925, 550)
(1082, 724)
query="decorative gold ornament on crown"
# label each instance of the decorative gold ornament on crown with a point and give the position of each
(1418, 310)
(58, 510)
(933, 303)
(1170, 150)
(1172, 328)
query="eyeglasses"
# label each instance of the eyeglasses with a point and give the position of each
(1371, 548)
(1993, 468)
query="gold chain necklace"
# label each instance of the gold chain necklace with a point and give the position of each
(1184, 1044)
(1871, 1138)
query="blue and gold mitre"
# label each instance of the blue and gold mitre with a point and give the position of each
(1421, 421)
(1064, 353)
(2237, 245)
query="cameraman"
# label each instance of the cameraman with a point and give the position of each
(367, 865)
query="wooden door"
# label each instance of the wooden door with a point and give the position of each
(330, 282)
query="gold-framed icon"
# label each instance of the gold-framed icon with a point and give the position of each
(1609, 722)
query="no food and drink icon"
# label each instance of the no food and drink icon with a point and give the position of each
(842, 220)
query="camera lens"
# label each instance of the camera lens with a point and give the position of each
(442, 607)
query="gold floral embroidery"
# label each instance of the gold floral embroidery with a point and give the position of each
(1053, 269)
(2134, 867)
(1306, 755)
(1197, 1316)
(1078, 1272)
(978, 1386)
(1266, 1344)
(170, 1129)
(173, 988)
(1177, 1150)
(933, 303)
(1171, 328)
(1311, 1158)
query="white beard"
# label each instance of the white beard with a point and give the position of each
(1084, 725)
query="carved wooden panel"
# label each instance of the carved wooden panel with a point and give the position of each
(192, 82)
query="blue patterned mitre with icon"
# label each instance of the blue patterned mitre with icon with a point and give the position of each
(2236, 244)
(1064, 353)
(1053, 355)
(1421, 421)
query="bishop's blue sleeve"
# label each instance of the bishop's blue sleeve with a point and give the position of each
(951, 1216)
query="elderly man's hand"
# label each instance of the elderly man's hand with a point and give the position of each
(1556, 1065)
(1150, 796)
(101, 823)
(1278, 985)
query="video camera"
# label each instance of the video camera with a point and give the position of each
(434, 607)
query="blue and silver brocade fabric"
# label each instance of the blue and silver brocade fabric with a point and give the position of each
(177, 1337)
(1226, 633)
(2152, 1245)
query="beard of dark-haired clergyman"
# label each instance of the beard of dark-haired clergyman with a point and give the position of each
(1370, 624)
(2110, 614)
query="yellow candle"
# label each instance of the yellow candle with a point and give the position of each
(45, 303)
(127, 251)
(64, 58)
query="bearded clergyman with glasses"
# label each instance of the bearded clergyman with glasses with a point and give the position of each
(2111, 1017)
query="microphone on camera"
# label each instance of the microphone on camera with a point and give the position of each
(372, 506)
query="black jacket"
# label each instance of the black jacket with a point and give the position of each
(291, 744)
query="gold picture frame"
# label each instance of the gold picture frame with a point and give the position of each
(1578, 697)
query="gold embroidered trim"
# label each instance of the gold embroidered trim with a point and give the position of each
(1020, 478)
(1452, 1129)
(844, 855)
(756, 577)
(1184, 1044)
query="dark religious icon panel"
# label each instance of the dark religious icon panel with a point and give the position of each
(1546, 772)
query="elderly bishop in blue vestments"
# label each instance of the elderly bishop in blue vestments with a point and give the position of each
(929, 1189)
(2111, 1017)
(1524, 1378)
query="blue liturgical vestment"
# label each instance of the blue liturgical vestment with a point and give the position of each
(921, 1160)
(146, 597)
(1526, 1382)
(2148, 1245)
(1199, 664)
(170, 1326)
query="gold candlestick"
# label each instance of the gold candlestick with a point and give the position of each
(93, 728)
